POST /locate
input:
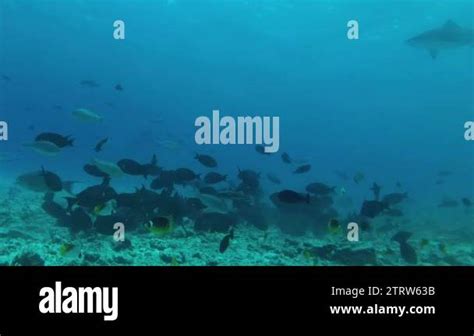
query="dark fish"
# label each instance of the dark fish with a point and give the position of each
(319, 189)
(302, 169)
(402, 236)
(57, 107)
(132, 167)
(213, 178)
(215, 222)
(249, 178)
(79, 220)
(376, 190)
(206, 160)
(93, 170)
(52, 181)
(93, 196)
(445, 173)
(286, 158)
(393, 212)
(407, 252)
(160, 225)
(100, 144)
(272, 178)
(358, 177)
(89, 83)
(184, 175)
(31, 128)
(372, 209)
(208, 191)
(195, 204)
(466, 202)
(448, 203)
(261, 149)
(343, 176)
(290, 196)
(166, 179)
(57, 139)
(6, 78)
(118, 87)
(398, 185)
(226, 241)
(54, 209)
(394, 198)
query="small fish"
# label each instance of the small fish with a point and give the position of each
(89, 83)
(376, 190)
(118, 87)
(185, 175)
(372, 209)
(87, 115)
(393, 212)
(358, 177)
(286, 158)
(5, 78)
(161, 225)
(466, 202)
(213, 178)
(55, 138)
(308, 254)
(225, 242)
(93, 170)
(290, 196)
(274, 179)
(110, 168)
(394, 198)
(66, 248)
(98, 208)
(334, 226)
(424, 242)
(407, 252)
(206, 160)
(398, 185)
(448, 203)
(52, 181)
(320, 189)
(445, 173)
(342, 175)
(44, 147)
(302, 169)
(442, 248)
(100, 144)
(261, 150)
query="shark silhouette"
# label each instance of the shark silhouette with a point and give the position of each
(449, 36)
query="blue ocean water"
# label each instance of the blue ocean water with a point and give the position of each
(373, 105)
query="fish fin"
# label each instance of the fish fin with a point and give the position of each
(106, 181)
(154, 160)
(433, 53)
(70, 202)
(451, 25)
